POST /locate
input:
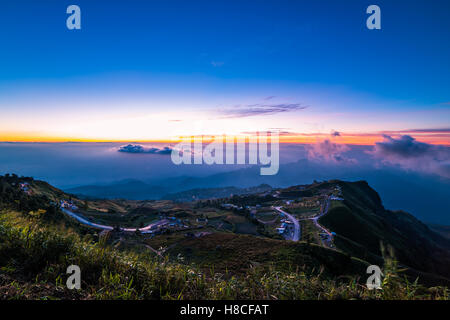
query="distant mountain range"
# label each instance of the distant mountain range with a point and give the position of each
(360, 223)
(428, 198)
(126, 189)
(214, 193)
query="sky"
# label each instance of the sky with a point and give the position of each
(107, 102)
(154, 70)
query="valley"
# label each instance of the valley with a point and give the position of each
(329, 229)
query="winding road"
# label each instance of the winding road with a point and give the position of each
(318, 225)
(316, 218)
(82, 220)
(296, 235)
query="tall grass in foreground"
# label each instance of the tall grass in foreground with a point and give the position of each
(34, 258)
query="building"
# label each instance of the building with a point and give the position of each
(68, 205)
(281, 230)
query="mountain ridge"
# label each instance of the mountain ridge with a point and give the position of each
(360, 222)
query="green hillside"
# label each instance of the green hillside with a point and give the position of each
(361, 223)
(38, 242)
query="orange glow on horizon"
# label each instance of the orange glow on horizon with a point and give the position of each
(351, 139)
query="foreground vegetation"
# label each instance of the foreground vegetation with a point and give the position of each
(34, 258)
(38, 242)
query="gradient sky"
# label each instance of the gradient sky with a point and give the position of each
(149, 70)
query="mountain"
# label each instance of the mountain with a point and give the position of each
(127, 189)
(214, 193)
(442, 230)
(223, 246)
(426, 197)
(361, 222)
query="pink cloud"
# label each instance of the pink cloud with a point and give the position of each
(328, 151)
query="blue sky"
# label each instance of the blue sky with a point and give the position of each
(310, 41)
(143, 71)
(204, 55)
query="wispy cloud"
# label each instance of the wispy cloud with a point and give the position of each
(217, 63)
(260, 109)
(432, 130)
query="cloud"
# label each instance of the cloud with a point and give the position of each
(328, 151)
(260, 109)
(403, 147)
(414, 155)
(440, 130)
(433, 130)
(217, 63)
(335, 134)
(136, 148)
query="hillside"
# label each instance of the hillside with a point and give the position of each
(415, 244)
(426, 198)
(206, 250)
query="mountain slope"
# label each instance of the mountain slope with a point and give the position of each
(362, 223)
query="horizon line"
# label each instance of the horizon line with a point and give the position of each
(346, 140)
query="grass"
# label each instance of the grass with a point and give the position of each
(37, 244)
(302, 212)
(34, 257)
(310, 232)
(129, 220)
(267, 216)
(241, 224)
(415, 244)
